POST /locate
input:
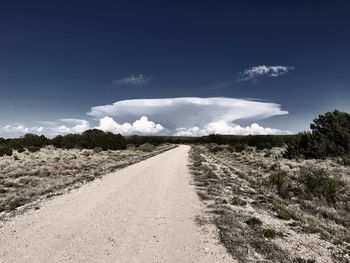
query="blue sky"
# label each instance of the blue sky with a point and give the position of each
(59, 59)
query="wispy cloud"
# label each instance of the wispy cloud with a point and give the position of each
(263, 70)
(132, 80)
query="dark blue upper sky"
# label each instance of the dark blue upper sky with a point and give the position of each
(60, 58)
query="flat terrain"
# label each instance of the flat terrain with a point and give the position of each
(27, 176)
(143, 213)
(271, 209)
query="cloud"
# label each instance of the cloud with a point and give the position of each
(132, 80)
(79, 126)
(189, 116)
(263, 70)
(221, 127)
(199, 116)
(53, 128)
(141, 126)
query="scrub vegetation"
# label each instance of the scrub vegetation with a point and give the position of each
(289, 203)
(268, 208)
(27, 176)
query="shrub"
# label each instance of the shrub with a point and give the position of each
(20, 149)
(97, 149)
(91, 139)
(238, 201)
(34, 140)
(146, 147)
(330, 137)
(280, 180)
(5, 150)
(240, 147)
(253, 221)
(271, 233)
(345, 160)
(264, 145)
(130, 146)
(302, 260)
(317, 182)
(33, 148)
(214, 148)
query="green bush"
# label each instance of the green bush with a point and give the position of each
(34, 140)
(345, 160)
(264, 145)
(272, 233)
(5, 150)
(253, 221)
(329, 137)
(21, 149)
(33, 148)
(240, 147)
(91, 139)
(317, 182)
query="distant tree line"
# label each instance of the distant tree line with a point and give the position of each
(329, 137)
(91, 139)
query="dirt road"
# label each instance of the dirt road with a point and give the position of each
(143, 213)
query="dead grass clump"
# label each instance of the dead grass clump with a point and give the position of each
(238, 201)
(146, 147)
(272, 233)
(97, 149)
(246, 243)
(281, 181)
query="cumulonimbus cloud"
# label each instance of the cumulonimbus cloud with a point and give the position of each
(132, 80)
(189, 116)
(183, 116)
(263, 70)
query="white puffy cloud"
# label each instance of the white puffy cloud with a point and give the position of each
(20, 128)
(79, 126)
(132, 80)
(53, 128)
(141, 126)
(222, 127)
(263, 70)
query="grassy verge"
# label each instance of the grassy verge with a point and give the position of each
(29, 176)
(266, 208)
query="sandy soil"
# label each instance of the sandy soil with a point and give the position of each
(143, 213)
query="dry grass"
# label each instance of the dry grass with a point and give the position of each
(29, 176)
(271, 209)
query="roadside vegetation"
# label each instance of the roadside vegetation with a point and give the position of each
(271, 206)
(32, 175)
